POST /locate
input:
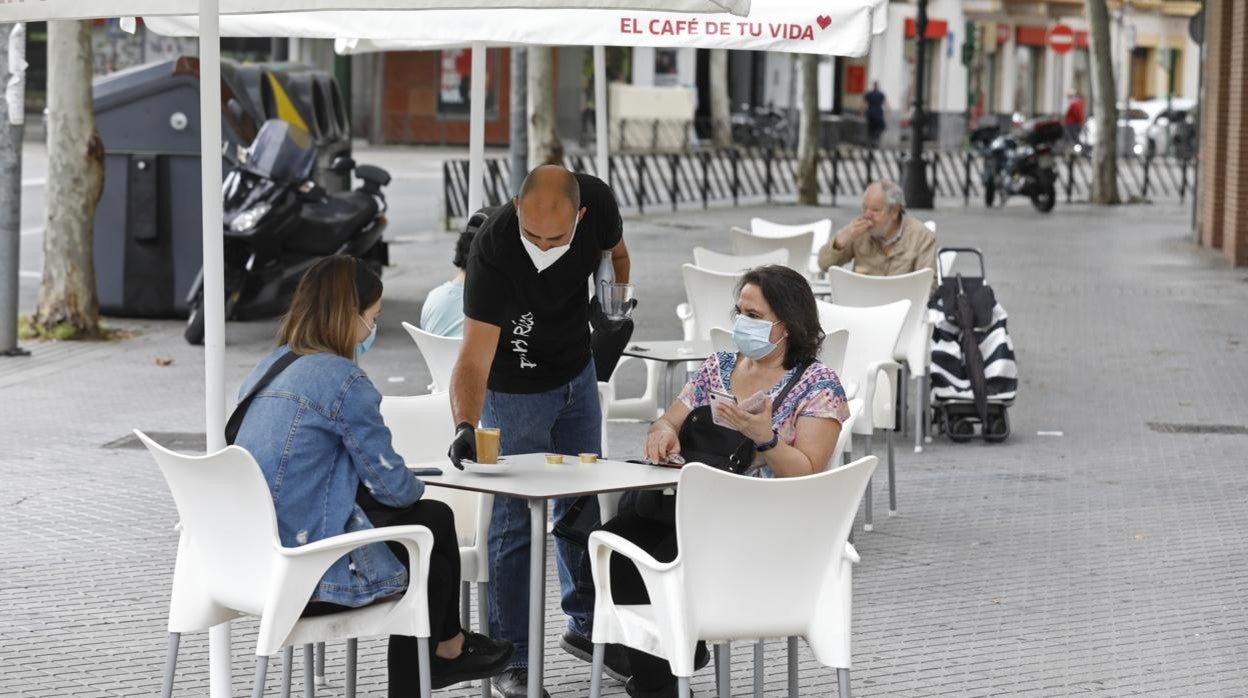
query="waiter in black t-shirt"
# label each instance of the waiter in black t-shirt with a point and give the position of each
(526, 368)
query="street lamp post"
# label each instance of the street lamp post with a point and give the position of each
(914, 182)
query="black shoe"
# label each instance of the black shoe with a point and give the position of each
(481, 658)
(668, 692)
(513, 683)
(701, 657)
(615, 659)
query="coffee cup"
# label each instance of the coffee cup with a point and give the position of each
(487, 445)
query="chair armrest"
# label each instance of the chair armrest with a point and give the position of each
(603, 543)
(873, 372)
(622, 546)
(663, 582)
(341, 544)
(297, 571)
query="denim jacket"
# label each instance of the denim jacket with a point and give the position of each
(317, 433)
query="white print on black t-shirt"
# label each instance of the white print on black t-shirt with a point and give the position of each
(523, 328)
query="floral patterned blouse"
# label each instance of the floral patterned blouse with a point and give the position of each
(818, 393)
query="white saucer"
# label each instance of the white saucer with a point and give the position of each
(486, 469)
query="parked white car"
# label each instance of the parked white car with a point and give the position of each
(1146, 119)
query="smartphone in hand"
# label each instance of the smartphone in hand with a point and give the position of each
(718, 399)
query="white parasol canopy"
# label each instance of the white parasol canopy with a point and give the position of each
(838, 27)
(38, 10)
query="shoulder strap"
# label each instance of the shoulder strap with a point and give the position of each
(784, 392)
(236, 419)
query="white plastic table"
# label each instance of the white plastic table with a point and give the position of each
(671, 353)
(532, 478)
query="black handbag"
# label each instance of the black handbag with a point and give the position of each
(701, 441)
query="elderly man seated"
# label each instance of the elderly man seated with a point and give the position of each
(883, 241)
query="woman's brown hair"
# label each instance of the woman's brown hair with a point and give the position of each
(327, 305)
(789, 295)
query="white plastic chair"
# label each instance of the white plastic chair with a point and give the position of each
(232, 563)
(873, 333)
(845, 442)
(930, 225)
(698, 596)
(440, 354)
(644, 408)
(421, 426)
(822, 229)
(721, 340)
(735, 263)
(711, 297)
(914, 345)
(799, 246)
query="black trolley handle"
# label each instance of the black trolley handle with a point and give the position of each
(958, 250)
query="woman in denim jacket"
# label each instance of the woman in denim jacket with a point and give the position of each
(316, 431)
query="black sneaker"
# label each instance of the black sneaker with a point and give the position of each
(481, 658)
(513, 683)
(668, 692)
(615, 659)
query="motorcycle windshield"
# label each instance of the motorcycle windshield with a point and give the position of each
(281, 152)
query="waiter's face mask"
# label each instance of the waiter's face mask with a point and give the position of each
(544, 250)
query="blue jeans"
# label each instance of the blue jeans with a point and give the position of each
(565, 420)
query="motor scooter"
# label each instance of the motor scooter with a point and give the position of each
(278, 223)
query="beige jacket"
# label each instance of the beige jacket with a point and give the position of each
(915, 250)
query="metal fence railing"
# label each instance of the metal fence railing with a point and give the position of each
(699, 176)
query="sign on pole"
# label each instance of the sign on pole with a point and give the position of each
(1061, 38)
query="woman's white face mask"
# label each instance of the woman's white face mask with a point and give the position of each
(542, 259)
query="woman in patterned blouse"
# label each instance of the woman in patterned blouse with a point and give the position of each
(777, 333)
(808, 423)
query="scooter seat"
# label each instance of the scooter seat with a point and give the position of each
(325, 225)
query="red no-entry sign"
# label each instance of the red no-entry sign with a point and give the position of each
(1061, 38)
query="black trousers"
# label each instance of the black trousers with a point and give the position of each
(650, 673)
(444, 584)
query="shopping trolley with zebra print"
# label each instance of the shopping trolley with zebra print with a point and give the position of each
(973, 375)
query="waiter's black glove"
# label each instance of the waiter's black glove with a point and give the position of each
(464, 447)
(608, 339)
(599, 322)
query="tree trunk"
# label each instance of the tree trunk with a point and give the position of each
(1105, 150)
(808, 131)
(68, 308)
(721, 110)
(545, 148)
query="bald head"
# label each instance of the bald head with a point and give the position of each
(548, 207)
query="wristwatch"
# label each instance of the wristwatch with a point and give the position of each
(775, 439)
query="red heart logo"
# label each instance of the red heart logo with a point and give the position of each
(824, 21)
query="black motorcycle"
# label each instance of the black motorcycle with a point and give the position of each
(278, 222)
(1020, 163)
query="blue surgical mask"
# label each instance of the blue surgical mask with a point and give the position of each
(753, 336)
(362, 348)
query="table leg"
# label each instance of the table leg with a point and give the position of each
(669, 369)
(537, 593)
(221, 683)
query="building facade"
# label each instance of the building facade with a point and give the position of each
(1010, 64)
(1222, 214)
